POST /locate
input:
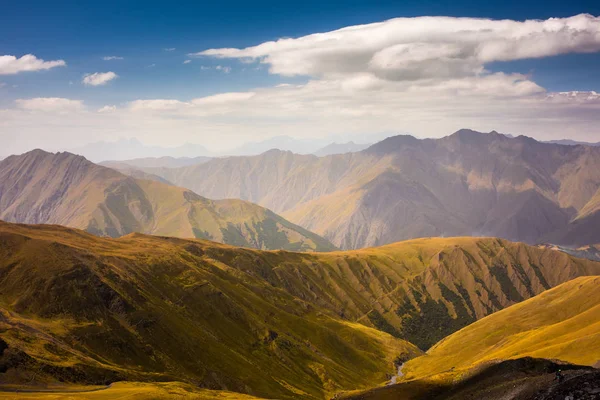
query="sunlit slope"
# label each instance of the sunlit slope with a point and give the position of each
(130, 391)
(41, 187)
(425, 289)
(562, 323)
(79, 308)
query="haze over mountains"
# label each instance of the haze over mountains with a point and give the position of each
(129, 149)
(468, 183)
(89, 310)
(65, 189)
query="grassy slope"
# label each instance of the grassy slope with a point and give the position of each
(94, 310)
(266, 322)
(425, 289)
(561, 323)
(134, 391)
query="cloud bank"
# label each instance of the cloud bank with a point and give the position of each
(50, 104)
(405, 49)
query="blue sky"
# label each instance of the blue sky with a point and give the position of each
(83, 32)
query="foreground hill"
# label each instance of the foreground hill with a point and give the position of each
(78, 308)
(65, 189)
(468, 183)
(561, 324)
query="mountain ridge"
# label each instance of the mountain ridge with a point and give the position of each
(478, 178)
(66, 189)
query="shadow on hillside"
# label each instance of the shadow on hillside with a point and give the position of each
(521, 379)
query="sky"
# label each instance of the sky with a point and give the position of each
(221, 74)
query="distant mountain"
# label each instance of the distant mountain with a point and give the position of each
(284, 143)
(160, 162)
(340, 148)
(468, 183)
(590, 252)
(126, 149)
(569, 142)
(65, 189)
(320, 146)
(133, 172)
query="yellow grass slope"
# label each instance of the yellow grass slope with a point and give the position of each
(562, 323)
(128, 391)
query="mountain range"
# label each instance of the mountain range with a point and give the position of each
(134, 151)
(65, 189)
(468, 183)
(124, 149)
(81, 309)
(157, 162)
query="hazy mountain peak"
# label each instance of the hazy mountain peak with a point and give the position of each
(393, 144)
(341, 148)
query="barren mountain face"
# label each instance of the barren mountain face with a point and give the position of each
(469, 183)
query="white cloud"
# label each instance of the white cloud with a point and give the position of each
(170, 49)
(98, 78)
(223, 98)
(187, 61)
(156, 105)
(109, 58)
(2, 84)
(151, 66)
(107, 109)
(10, 65)
(50, 104)
(579, 97)
(422, 47)
(224, 69)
